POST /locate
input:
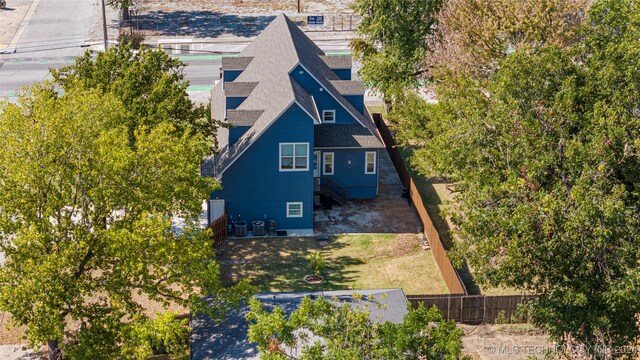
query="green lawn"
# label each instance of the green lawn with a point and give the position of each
(438, 199)
(353, 262)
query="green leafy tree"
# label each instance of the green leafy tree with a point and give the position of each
(149, 83)
(317, 262)
(85, 221)
(394, 37)
(350, 334)
(545, 158)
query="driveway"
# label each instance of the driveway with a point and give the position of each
(388, 213)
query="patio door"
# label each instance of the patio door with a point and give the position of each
(316, 163)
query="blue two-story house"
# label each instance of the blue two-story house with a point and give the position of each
(296, 130)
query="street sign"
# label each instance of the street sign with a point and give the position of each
(315, 20)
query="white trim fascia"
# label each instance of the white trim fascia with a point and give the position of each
(257, 136)
(375, 162)
(330, 93)
(333, 163)
(293, 156)
(295, 203)
(319, 121)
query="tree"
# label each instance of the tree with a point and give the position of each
(123, 5)
(149, 83)
(544, 155)
(350, 334)
(394, 36)
(475, 35)
(86, 201)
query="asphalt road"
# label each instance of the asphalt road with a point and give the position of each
(14, 74)
(58, 28)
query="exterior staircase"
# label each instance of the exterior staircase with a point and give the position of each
(329, 187)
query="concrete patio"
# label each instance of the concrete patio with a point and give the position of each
(389, 213)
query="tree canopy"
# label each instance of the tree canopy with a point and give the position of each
(544, 154)
(394, 36)
(149, 83)
(87, 192)
(349, 333)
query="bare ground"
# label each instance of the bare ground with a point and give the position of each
(10, 18)
(249, 7)
(517, 341)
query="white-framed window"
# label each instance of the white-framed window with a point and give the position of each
(294, 156)
(294, 209)
(370, 162)
(327, 163)
(328, 116)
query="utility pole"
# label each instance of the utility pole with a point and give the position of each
(104, 26)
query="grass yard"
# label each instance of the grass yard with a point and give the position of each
(368, 261)
(437, 198)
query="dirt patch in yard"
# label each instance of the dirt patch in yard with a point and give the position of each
(517, 341)
(10, 335)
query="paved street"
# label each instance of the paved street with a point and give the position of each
(54, 29)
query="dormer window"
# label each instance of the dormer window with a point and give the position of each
(328, 116)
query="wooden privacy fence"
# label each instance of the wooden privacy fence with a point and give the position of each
(474, 309)
(219, 230)
(450, 275)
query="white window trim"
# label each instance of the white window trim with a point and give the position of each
(333, 163)
(295, 203)
(332, 112)
(375, 162)
(294, 157)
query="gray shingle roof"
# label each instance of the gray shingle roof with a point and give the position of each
(349, 87)
(236, 63)
(337, 61)
(275, 52)
(228, 339)
(344, 136)
(239, 89)
(243, 117)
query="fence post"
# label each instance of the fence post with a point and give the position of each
(484, 308)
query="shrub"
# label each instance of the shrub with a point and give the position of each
(317, 262)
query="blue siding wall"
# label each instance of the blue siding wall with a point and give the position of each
(230, 75)
(357, 101)
(254, 186)
(343, 74)
(234, 102)
(236, 132)
(351, 175)
(324, 100)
